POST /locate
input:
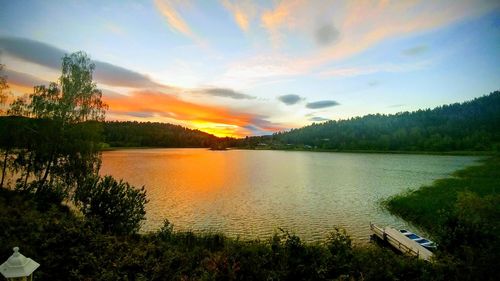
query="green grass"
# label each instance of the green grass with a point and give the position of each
(429, 205)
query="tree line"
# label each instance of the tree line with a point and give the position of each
(473, 126)
(154, 134)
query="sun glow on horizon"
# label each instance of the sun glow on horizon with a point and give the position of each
(242, 68)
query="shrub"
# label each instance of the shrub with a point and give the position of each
(118, 206)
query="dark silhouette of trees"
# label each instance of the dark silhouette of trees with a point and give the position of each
(152, 134)
(57, 144)
(117, 206)
(51, 142)
(472, 125)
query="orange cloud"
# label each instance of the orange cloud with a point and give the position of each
(361, 24)
(220, 121)
(242, 11)
(173, 18)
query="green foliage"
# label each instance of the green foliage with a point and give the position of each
(469, 126)
(429, 205)
(117, 206)
(462, 213)
(56, 142)
(375, 263)
(339, 245)
(166, 230)
(72, 248)
(3, 90)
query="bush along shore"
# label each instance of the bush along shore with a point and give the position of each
(71, 247)
(463, 213)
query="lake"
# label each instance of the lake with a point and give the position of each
(250, 194)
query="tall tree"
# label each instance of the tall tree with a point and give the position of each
(3, 89)
(63, 127)
(3, 99)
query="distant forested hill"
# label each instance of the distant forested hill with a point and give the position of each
(136, 134)
(16, 131)
(472, 125)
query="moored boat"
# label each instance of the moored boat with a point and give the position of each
(405, 241)
(426, 243)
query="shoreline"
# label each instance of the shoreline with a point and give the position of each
(407, 152)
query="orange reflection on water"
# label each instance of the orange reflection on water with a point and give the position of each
(205, 173)
(181, 184)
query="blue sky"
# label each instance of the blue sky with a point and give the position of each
(254, 67)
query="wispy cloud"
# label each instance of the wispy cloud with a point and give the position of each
(173, 18)
(365, 25)
(346, 28)
(115, 29)
(290, 99)
(243, 12)
(322, 104)
(261, 69)
(225, 93)
(370, 69)
(415, 51)
(318, 119)
(281, 17)
(22, 79)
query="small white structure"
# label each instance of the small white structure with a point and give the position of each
(18, 267)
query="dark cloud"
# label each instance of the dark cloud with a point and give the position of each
(261, 122)
(32, 51)
(255, 130)
(114, 75)
(139, 114)
(318, 119)
(23, 79)
(290, 99)
(50, 56)
(322, 104)
(326, 34)
(415, 51)
(112, 94)
(226, 93)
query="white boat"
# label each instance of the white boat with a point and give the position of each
(426, 243)
(405, 241)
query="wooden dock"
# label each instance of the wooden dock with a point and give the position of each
(400, 242)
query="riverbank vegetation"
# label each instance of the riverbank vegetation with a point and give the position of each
(463, 213)
(81, 226)
(72, 247)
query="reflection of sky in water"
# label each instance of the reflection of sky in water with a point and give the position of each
(252, 193)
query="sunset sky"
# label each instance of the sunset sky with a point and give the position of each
(241, 68)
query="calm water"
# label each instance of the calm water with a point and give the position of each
(252, 193)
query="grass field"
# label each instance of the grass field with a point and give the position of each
(429, 206)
